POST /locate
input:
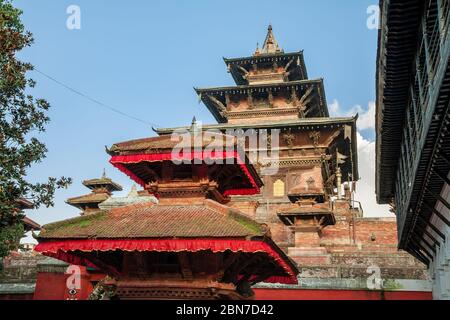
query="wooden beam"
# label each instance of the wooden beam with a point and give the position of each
(433, 227)
(438, 197)
(440, 175)
(229, 260)
(150, 172)
(99, 263)
(437, 213)
(234, 271)
(417, 254)
(262, 277)
(419, 245)
(185, 265)
(422, 240)
(443, 156)
(424, 230)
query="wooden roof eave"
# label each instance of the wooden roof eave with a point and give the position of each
(224, 90)
(240, 80)
(391, 57)
(263, 56)
(305, 122)
(282, 254)
(323, 97)
(214, 111)
(91, 184)
(31, 224)
(318, 82)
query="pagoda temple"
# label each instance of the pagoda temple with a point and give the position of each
(188, 245)
(316, 153)
(102, 190)
(284, 226)
(308, 201)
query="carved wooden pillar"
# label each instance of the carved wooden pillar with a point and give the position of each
(228, 101)
(271, 99)
(289, 139)
(294, 97)
(167, 171)
(250, 100)
(275, 67)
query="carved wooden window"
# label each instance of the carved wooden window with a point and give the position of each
(278, 188)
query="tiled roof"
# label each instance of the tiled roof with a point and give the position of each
(30, 224)
(304, 122)
(160, 144)
(147, 220)
(88, 198)
(101, 182)
(24, 204)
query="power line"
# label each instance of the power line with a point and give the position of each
(104, 105)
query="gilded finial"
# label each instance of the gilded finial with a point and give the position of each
(270, 44)
(257, 51)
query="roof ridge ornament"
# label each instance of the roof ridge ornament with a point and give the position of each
(258, 51)
(270, 44)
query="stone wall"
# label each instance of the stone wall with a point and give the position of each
(348, 252)
(20, 267)
(18, 275)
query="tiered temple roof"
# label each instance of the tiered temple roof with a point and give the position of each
(102, 189)
(148, 163)
(103, 182)
(270, 83)
(345, 142)
(174, 246)
(24, 204)
(205, 219)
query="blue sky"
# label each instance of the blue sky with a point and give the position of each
(145, 57)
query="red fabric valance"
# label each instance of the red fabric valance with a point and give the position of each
(66, 250)
(120, 161)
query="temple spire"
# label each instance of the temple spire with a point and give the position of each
(270, 44)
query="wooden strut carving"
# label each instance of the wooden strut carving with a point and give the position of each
(271, 99)
(103, 291)
(288, 65)
(250, 100)
(244, 71)
(269, 141)
(275, 67)
(304, 102)
(219, 104)
(289, 139)
(294, 98)
(315, 136)
(228, 101)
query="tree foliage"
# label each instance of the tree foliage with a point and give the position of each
(22, 117)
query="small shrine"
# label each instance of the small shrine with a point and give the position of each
(102, 190)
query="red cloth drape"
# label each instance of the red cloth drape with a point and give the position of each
(66, 250)
(120, 161)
